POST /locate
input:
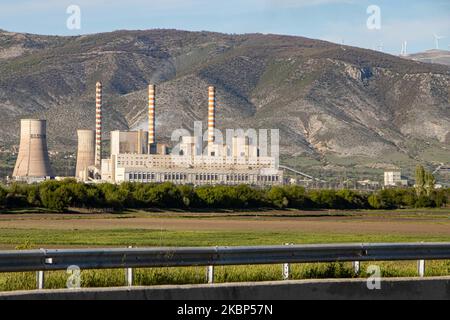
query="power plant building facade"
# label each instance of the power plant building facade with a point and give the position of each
(33, 163)
(136, 156)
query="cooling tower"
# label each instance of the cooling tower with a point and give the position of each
(32, 161)
(86, 152)
(98, 125)
(151, 114)
(211, 114)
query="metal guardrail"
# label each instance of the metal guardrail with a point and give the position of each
(55, 259)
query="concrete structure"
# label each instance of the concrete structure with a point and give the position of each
(394, 179)
(436, 288)
(85, 153)
(201, 170)
(98, 124)
(126, 142)
(33, 164)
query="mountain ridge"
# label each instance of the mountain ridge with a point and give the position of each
(328, 100)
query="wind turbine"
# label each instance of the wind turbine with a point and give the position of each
(404, 51)
(380, 47)
(436, 40)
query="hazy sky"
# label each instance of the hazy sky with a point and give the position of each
(334, 20)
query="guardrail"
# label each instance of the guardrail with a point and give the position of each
(128, 258)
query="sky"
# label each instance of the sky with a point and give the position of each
(341, 21)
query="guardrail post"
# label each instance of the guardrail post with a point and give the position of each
(210, 274)
(421, 268)
(356, 267)
(287, 267)
(286, 271)
(40, 280)
(129, 275)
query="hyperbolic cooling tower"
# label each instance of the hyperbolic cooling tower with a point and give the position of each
(86, 152)
(33, 160)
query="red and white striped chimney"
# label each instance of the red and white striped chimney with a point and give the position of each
(211, 114)
(151, 114)
(98, 125)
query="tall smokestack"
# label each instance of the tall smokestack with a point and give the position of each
(98, 125)
(211, 114)
(151, 115)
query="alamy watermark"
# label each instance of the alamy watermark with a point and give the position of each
(73, 22)
(74, 279)
(374, 279)
(236, 143)
(374, 20)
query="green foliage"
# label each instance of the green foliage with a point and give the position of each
(420, 179)
(277, 196)
(61, 195)
(3, 194)
(374, 201)
(430, 181)
(55, 196)
(425, 181)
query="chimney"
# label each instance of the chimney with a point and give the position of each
(211, 114)
(98, 125)
(151, 115)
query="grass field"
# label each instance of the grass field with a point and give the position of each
(22, 230)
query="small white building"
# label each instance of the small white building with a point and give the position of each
(394, 179)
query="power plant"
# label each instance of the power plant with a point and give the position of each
(136, 156)
(33, 164)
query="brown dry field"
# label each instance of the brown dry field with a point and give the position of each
(401, 222)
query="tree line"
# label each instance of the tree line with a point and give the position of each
(59, 196)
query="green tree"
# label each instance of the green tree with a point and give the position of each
(374, 201)
(430, 181)
(3, 194)
(277, 197)
(297, 197)
(55, 196)
(420, 179)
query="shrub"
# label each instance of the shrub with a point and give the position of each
(374, 201)
(56, 196)
(277, 197)
(59, 195)
(3, 194)
(297, 197)
(212, 197)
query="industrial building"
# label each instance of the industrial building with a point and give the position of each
(136, 156)
(33, 164)
(394, 179)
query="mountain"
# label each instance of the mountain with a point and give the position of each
(336, 106)
(432, 56)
